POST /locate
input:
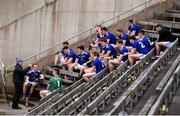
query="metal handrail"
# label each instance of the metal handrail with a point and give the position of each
(2, 71)
(90, 29)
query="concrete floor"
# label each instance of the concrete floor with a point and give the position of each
(5, 109)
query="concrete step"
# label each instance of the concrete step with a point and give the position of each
(167, 14)
(168, 24)
(155, 33)
(175, 105)
(173, 11)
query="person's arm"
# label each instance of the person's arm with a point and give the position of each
(107, 54)
(76, 61)
(23, 70)
(69, 60)
(108, 40)
(41, 76)
(48, 86)
(94, 69)
(102, 53)
(133, 32)
(124, 42)
(27, 78)
(133, 51)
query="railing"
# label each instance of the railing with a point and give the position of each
(91, 30)
(2, 74)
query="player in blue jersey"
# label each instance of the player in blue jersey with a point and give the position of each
(145, 40)
(111, 39)
(123, 56)
(140, 49)
(69, 57)
(108, 50)
(95, 42)
(31, 81)
(98, 65)
(133, 29)
(60, 55)
(82, 57)
(124, 37)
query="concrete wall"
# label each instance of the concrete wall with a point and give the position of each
(50, 24)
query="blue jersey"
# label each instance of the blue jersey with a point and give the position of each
(134, 27)
(146, 42)
(34, 75)
(111, 49)
(122, 51)
(82, 57)
(140, 47)
(70, 50)
(100, 47)
(98, 36)
(111, 37)
(99, 64)
(70, 55)
(125, 36)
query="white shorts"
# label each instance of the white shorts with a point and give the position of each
(121, 62)
(32, 83)
(90, 74)
(129, 48)
(118, 61)
(78, 66)
(62, 60)
(167, 44)
(141, 56)
(47, 92)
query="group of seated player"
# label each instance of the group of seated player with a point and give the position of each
(107, 50)
(110, 50)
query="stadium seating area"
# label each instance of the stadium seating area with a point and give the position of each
(146, 87)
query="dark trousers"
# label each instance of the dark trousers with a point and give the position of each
(17, 93)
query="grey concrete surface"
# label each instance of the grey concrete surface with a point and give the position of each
(26, 35)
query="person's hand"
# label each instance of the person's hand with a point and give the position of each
(126, 54)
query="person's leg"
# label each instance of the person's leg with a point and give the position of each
(87, 76)
(71, 67)
(157, 49)
(32, 87)
(130, 59)
(17, 94)
(133, 58)
(56, 59)
(106, 59)
(160, 45)
(88, 70)
(41, 93)
(111, 66)
(25, 89)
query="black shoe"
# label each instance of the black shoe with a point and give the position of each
(17, 108)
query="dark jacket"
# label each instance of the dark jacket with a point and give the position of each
(19, 73)
(165, 35)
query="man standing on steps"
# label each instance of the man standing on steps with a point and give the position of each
(18, 80)
(165, 39)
